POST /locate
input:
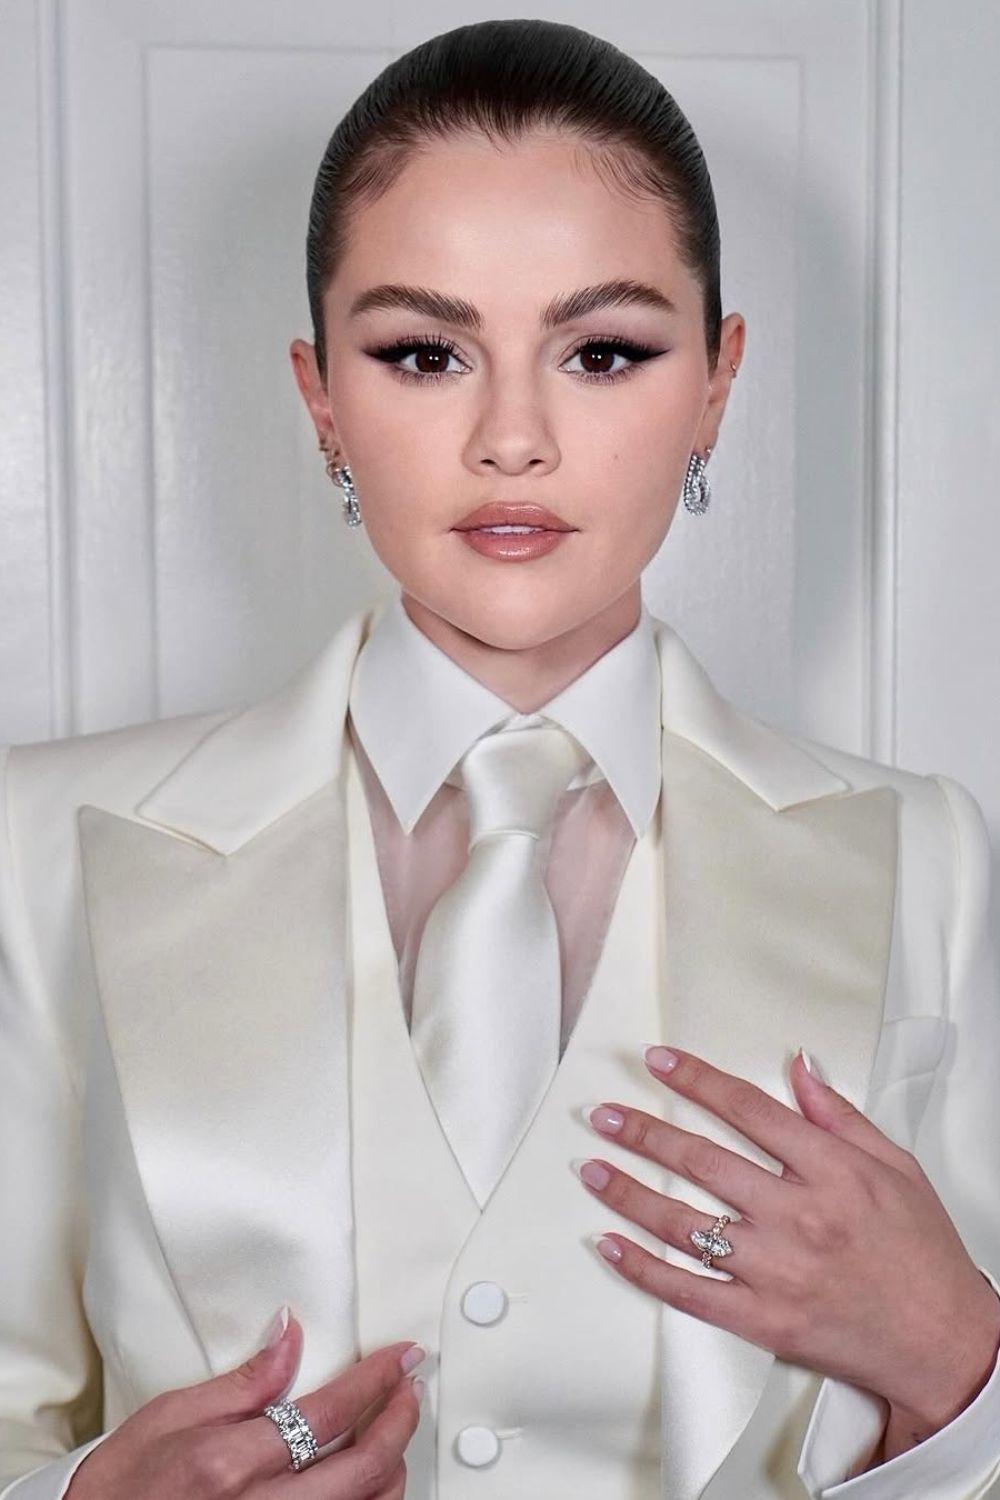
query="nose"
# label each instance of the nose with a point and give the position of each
(513, 438)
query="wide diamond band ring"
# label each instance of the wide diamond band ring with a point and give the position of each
(295, 1430)
(712, 1242)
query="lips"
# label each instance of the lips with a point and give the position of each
(496, 514)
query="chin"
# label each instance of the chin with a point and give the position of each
(517, 629)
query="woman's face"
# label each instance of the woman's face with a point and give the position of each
(512, 409)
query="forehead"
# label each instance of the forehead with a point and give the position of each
(511, 225)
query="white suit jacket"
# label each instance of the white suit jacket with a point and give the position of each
(172, 893)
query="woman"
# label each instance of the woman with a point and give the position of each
(304, 1002)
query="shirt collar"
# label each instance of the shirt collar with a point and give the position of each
(417, 712)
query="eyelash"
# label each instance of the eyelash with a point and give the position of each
(390, 353)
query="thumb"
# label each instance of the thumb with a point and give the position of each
(259, 1380)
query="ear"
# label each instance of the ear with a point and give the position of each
(313, 391)
(732, 339)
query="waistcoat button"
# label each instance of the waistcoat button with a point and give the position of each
(484, 1302)
(477, 1446)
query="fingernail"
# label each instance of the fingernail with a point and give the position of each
(660, 1058)
(811, 1066)
(418, 1388)
(610, 1249)
(276, 1328)
(412, 1358)
(592, 1173)
(603, 1118)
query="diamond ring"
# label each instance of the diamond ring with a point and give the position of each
(298, 1435)
(712, 1242)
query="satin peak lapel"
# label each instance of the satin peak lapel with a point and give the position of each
(217, 920)
(779, 885)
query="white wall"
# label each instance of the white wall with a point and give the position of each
(168, 539)
(943, 696)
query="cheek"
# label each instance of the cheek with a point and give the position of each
(378, 417)
(393, 523)
(633, 525)
(634, 473)
(644, 439)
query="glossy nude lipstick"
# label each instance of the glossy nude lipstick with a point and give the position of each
(512, 532)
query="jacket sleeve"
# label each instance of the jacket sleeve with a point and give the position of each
(958, 1146)
(51, 1389)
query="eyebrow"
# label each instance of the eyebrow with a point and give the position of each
(564, 309)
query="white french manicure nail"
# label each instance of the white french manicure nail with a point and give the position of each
(412, 1358)
(811, 1066)
(276, 1328)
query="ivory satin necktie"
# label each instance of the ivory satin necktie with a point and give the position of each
(487, 988)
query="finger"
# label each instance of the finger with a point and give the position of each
(821, 1104)
(234, 1394)
(671, 1220)
(728, 1304)
(778, 1130)
(398, 1490)
(757, 1192)
(367, 1469)
(331, 1410)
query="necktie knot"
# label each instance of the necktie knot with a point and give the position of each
(514, 779)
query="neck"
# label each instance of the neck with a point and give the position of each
(529, 677)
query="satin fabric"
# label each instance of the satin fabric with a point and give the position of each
(808, 896)
(488, 987)
(592, 840)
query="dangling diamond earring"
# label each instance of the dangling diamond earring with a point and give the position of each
(352, 511)
(341, 477)
(697, 490)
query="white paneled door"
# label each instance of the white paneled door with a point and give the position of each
(170, 539)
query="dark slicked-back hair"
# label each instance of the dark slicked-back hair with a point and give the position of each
(504, 79)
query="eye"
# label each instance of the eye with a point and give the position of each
(436, 352)
(600, 348)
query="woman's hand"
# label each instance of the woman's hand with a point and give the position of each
(846, 1263)
(209, 1440)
